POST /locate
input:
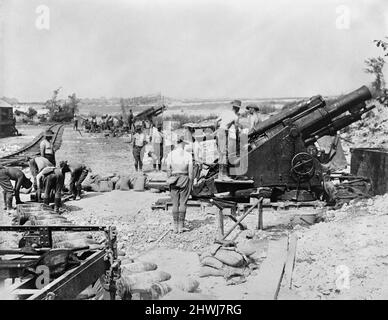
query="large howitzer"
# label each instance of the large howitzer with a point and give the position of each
(277, 156)
(149, 113)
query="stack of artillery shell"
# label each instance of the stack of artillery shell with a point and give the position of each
(143, 279)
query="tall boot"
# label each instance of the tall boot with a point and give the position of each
(79, 191)
(181, 222)
(9, 201)
(159, 166)
(175, 218)
(221, 171)
(57, 204)
(154, 166)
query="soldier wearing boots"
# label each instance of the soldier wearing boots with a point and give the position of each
(37, 165)
(14, 174)
(225, 122)
(180, 177)
(53, 179)
(78, 173)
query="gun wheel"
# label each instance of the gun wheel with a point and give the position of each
(302, 166)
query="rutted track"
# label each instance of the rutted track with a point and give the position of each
(32, 149)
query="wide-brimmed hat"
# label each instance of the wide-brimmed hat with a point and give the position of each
(252, 106)
(198, 134)
(236, 103)
(49, 133)
(181, 138)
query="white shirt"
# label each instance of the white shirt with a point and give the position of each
(47, 147)
(253, 119)
(139, 138)
(226, 118)
(156, 136)
(179, 161)
(198, 151)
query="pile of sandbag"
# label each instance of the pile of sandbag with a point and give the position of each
(234, 263)
(108, 183)
(98, 183)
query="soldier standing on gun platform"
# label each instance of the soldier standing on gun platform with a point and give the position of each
(180, 177)
(253, 116)
(225, 121)
(47, 148)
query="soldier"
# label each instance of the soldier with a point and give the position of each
(157, 144)
(253, 115)
(17, 175)
(225, 122)
(130, 121)
(47, 148)
(53, 179)
(180, 177)
(75, 119)
(78, 173)
(139, 141)
(37, 165)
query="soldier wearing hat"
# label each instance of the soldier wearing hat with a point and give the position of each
(227, 123)
(180, 176)
(253, 115)
(139, 141)
(47, 148)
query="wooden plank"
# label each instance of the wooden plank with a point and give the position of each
(290, 262)
(266, 284)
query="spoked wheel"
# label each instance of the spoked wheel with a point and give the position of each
(302, 167)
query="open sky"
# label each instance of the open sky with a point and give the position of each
(188, 48)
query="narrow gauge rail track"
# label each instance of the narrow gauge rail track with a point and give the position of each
(21, 156)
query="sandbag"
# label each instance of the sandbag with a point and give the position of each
(105, 186)
(124, 183)
(247, 247)
(230, 258)
(187, 285)
(212, 262)
(138, 267)
(210, 272)
(94, 187)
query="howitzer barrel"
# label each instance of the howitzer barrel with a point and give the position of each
(324, 116)
(337, 124)
(278, 119)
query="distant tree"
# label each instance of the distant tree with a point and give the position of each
(31, 112)
(73, 103)
(383, 44)
(375, 66)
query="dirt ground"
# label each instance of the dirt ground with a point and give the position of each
(351, 244)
